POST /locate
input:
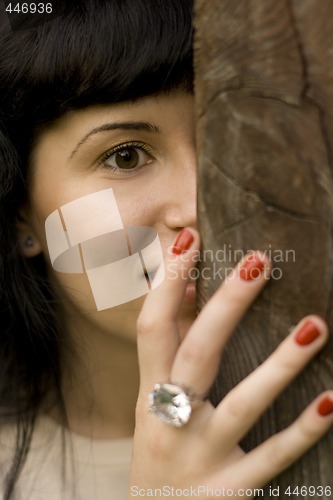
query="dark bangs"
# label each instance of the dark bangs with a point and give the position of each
(96, 51)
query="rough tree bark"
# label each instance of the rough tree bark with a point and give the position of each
(264, 89)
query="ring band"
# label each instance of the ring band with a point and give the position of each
(172, 403)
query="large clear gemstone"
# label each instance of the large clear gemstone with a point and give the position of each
(171, 404)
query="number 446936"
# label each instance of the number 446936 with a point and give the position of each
(312, 491)
(30, 8)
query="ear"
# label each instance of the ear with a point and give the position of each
(29, 244)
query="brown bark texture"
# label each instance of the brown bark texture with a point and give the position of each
(264, 91)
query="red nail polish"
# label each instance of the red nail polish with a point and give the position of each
(183, 242)
(325, 407)
(252, 268)
(307, 333)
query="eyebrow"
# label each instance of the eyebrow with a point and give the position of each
(143, 126)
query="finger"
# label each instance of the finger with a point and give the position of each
(277, 453)
(158, 336)
(198, 357)
(242, 406)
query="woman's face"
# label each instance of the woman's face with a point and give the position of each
(145, 152)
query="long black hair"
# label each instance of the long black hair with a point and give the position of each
(93, 52)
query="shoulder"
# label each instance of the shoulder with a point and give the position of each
(42, 470)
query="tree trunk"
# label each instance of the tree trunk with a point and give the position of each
(264, 90)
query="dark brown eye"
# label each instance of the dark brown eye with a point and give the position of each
(127, 158)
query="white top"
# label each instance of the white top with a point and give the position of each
(94, 469)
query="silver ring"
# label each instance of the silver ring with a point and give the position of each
(172, 403)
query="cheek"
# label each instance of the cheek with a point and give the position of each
(138, 205)
(96, 250)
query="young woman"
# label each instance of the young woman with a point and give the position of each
(101, 98)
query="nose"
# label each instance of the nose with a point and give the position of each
(181, 209)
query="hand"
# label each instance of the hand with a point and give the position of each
(205, 451)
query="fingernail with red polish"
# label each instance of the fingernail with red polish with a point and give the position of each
(325, 406)
(307, 333)
(183, 242)
(252, 268)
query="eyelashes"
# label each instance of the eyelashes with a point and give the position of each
(127, 158)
